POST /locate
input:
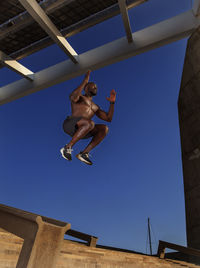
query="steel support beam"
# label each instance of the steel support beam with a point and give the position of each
(15, 66)
(125, 18)
(160, 34)
(43, 20)
(196, 8)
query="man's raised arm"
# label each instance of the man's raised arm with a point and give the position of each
(109, 115)
(74, 96)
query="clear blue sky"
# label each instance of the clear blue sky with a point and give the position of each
(137, 171)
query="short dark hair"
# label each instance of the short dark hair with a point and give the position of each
(88, 84)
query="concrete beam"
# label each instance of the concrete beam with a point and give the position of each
(125, 18)
(160, 34)
(43, 237)
(43, 20)
(15, 66)
(196, 8)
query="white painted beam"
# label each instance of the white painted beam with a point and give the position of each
(125, 18)
(15, 66)
(196, 8)
(149, 38)
(44, 21)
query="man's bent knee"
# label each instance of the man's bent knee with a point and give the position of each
(91, 125)
(104, 129)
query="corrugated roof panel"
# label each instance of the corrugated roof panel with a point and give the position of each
(10, 9)
(13, 39)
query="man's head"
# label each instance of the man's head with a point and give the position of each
(90, 89)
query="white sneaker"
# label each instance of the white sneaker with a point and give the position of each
(66, 153)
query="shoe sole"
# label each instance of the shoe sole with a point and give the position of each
(83, 160)
(61, 151)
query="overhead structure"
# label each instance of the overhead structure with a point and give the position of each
(67, 17)
(43, 20)
(196, 8)
(15, 66)
(23, 19)
(125, 17)
(21, 36)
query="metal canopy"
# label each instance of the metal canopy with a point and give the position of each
(43, 20)
(25, 43)
(21, 35)
(29, 25)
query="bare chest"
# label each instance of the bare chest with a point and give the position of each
(85, 104)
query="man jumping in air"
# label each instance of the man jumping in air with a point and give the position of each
(80, 126)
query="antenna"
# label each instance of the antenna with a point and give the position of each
(149, 232)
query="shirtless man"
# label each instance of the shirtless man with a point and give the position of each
(80, 126)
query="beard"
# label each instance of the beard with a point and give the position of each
(92, 94)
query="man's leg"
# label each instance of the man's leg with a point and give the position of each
(84, 127)
(99, 132)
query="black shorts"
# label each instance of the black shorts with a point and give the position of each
(70, 127)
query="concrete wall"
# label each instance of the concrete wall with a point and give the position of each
(189, 118)
(76, 255)
(10, 247)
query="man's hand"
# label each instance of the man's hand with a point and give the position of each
(88, 73)
(112, 97)
(87, 77)
(75, 95)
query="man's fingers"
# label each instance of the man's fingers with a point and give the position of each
(112, 95)
(88, 72)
